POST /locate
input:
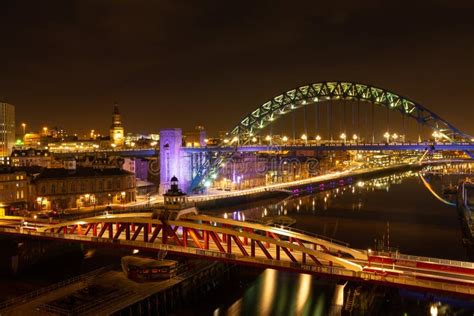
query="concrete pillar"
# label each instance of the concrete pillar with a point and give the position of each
(174, 161)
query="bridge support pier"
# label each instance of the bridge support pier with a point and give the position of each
(174, 161)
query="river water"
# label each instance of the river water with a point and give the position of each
(396, 209)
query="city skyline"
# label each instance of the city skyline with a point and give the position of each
(221, 59)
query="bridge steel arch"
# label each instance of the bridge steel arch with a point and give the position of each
(294, 99)
(340, 90)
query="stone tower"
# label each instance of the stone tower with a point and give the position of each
(117, 137)
(173, 160)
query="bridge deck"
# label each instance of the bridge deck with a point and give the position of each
(256, 244)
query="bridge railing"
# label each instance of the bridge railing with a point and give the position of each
(396, 255)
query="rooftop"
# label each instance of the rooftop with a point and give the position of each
(57, 173)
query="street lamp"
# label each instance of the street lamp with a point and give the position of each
(285, 139)
(45, 131)
(318, 138)
(355, 137)
(395, 136)
(23, 125)
(123, 199)
(254, 139)
(387, 136)
(304, 138)
(436, 135)
(343, 136)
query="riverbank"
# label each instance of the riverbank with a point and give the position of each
(282, 190)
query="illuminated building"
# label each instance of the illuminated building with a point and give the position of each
(74, 187)
(195, 138)
(31, 157)
(7, 128)
(31, 140)
(13, 189)
(117, 137)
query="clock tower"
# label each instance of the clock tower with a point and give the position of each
(117, 137)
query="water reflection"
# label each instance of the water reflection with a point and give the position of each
(268, 292)
(303, 296)
(282, 293)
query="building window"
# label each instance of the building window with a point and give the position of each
(53, 188)
(101, 185)
(83, 186)
(43, 189)
(109, 184)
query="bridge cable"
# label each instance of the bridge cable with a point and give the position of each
(373, 124)
(328, 114)
(358, 118)
(404, 127)
(293, 124)
(353, 117)
(344, 116)
(271, 130)
(316, 119)
(305, 128)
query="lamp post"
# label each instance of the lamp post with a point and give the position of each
(355, 138)
(23, 125)
(268, 138)
(318, 138)
(123, 199)
(387, 136)
(304, 138)
(343, 136)
(436, 135)
(394, 137)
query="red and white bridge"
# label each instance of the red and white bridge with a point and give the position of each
(250, 243)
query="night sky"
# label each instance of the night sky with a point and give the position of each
(181, 63)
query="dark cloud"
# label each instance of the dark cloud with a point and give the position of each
(178, 63)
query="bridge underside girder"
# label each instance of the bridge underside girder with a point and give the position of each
(227, 239)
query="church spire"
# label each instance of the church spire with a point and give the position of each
(116, 108)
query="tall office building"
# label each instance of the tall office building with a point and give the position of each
(7, 128)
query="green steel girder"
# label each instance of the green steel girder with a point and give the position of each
(338, 90)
